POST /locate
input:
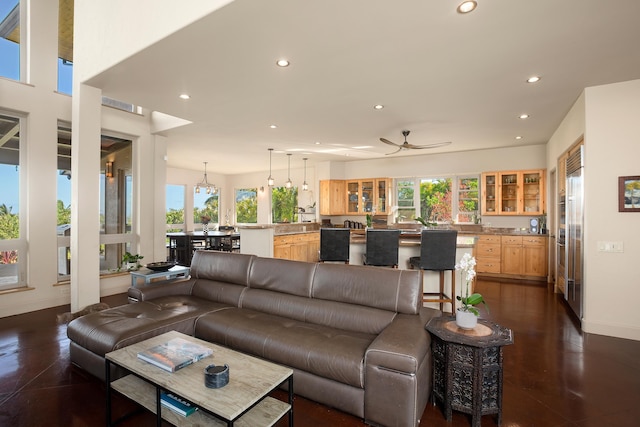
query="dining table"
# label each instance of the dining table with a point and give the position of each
(183, 244)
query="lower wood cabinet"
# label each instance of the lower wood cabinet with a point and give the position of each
(488, 254)
(297, 247)
(524, 255)
(518, 257)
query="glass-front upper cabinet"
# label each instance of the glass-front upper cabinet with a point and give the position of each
(382, 196)
(532, 199)
(513, 192)
(509, 183)
(353, 197)
(489, 184)
(368, 196)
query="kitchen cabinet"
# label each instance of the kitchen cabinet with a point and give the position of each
(368, 196)
(297, 247)
(332, 197)
(513, 192)
(524, 256)
(488, 248)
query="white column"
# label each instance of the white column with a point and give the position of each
(85, 194)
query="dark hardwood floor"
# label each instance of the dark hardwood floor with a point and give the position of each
(554, 375)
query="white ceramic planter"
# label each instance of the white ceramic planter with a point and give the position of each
(466, 319)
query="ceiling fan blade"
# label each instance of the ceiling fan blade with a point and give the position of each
(420, 147)
(399, 149)
(386, 141)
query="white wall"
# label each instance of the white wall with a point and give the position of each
(101, 25)
(612, 150)
(607, 117)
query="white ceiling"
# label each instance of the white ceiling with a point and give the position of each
(442, 75)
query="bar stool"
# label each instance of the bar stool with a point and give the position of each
(438, 253)
(334, 244)
(381, 248)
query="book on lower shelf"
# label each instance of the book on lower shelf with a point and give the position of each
(176, 404)
(175, 354)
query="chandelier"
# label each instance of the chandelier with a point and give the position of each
(210, 188)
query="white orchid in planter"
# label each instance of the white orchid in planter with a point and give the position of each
(466, 266)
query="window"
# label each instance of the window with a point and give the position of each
(64, 201)
(65, 46)
(468, 199)
(246, 205)
(12, 244)
(116, 202)
(205, 205)
(10, 39)
(405, 197)
(434, 199)
(175, 208)
(284, 204)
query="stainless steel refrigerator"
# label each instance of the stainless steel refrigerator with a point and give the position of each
(574, 232)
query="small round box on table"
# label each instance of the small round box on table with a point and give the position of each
(467, 367)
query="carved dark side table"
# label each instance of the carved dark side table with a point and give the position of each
(467, 367)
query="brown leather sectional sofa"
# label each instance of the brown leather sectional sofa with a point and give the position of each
(354, 335)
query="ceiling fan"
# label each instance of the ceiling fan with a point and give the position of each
(407, 146)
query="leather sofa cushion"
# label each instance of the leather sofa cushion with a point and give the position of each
(321, 350)
(280, 275)
(118, 327)
(221, 266)
(339, 315)
(384, 288)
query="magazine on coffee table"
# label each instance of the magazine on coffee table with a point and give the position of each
(175, 354)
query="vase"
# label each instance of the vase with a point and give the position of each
(205, 228)
(466, 319)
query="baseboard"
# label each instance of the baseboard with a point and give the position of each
(617, 330)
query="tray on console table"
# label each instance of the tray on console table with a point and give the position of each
(467, 367)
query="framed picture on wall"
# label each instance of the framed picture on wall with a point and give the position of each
(629, 194)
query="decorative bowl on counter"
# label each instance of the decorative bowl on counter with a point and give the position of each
(160, 266)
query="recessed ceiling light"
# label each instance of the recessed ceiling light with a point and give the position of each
(273, 127)
(282, 63)
(518, 137)
(317, 142)
(524, 116)
(533, 79)
(378, 107)
(184, 96)
(467, 6)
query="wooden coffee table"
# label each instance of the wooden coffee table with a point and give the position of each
(244, 401)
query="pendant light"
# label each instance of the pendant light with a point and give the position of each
(289, 184)
(210, 188)
(270, 180)
(305, 186)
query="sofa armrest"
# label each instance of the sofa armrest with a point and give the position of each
(398, 372)
(401, 346)
(161, 289)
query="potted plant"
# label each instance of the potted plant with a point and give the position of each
(467, 315)
(131, 261)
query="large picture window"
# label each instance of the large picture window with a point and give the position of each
(175, 208)
(116, 202)
(12, 241)
(436, 199)
(206, 206)
(246, 205)
(284, 204)
(10, 39)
